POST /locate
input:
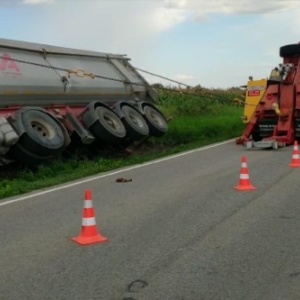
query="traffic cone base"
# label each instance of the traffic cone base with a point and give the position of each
(84, 241)
(249, 187)
(294, 165)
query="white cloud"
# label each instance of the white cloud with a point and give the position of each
(138, 28)
(166, 14)
(175, 3)
(10, 3)
(108, 26)
(35, 2)
(202, 9)
(165, 18)
(240, 6)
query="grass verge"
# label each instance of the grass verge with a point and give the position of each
(185, 132)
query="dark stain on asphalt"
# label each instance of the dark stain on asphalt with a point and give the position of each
(136, 286)
(286, 217)
(294, 274)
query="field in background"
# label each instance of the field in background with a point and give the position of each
(198, 117)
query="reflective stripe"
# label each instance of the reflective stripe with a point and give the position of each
(296, 156)
(88, 222)
(244, 165)
(88, 204)
(244, 176)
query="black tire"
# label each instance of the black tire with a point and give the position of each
(289, 50)
(157, 123)
(43, 134)
(109, 126)
(25, 157)
(256, 135)
(134, 122)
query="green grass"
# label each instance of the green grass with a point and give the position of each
(185, 130)
(195, 122)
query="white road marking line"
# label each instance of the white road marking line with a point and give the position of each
(96, 177)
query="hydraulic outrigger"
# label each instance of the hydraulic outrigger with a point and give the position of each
(272, 106)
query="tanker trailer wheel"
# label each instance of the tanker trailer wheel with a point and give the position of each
(156, 121)
(108, 126)
(43, 135)
(25, 157)
(134, 122)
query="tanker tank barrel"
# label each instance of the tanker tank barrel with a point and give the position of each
(52, 97)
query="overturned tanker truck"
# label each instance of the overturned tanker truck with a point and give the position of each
(51, 95)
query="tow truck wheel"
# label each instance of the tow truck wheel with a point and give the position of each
(289, 50)
(256, 135)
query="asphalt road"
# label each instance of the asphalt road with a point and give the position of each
(178, 231)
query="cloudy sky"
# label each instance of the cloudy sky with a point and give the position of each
(216, 43)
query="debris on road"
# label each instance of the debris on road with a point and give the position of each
(121, 179)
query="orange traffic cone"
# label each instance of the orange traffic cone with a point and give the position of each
(244, 182)
(295, 163)
(89, 233)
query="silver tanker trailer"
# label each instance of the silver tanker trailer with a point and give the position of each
(50, 95)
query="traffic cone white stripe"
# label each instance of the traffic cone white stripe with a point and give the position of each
(244, 176)
(244, 165)
(296, 156)
(88, 204)
(88, 221)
